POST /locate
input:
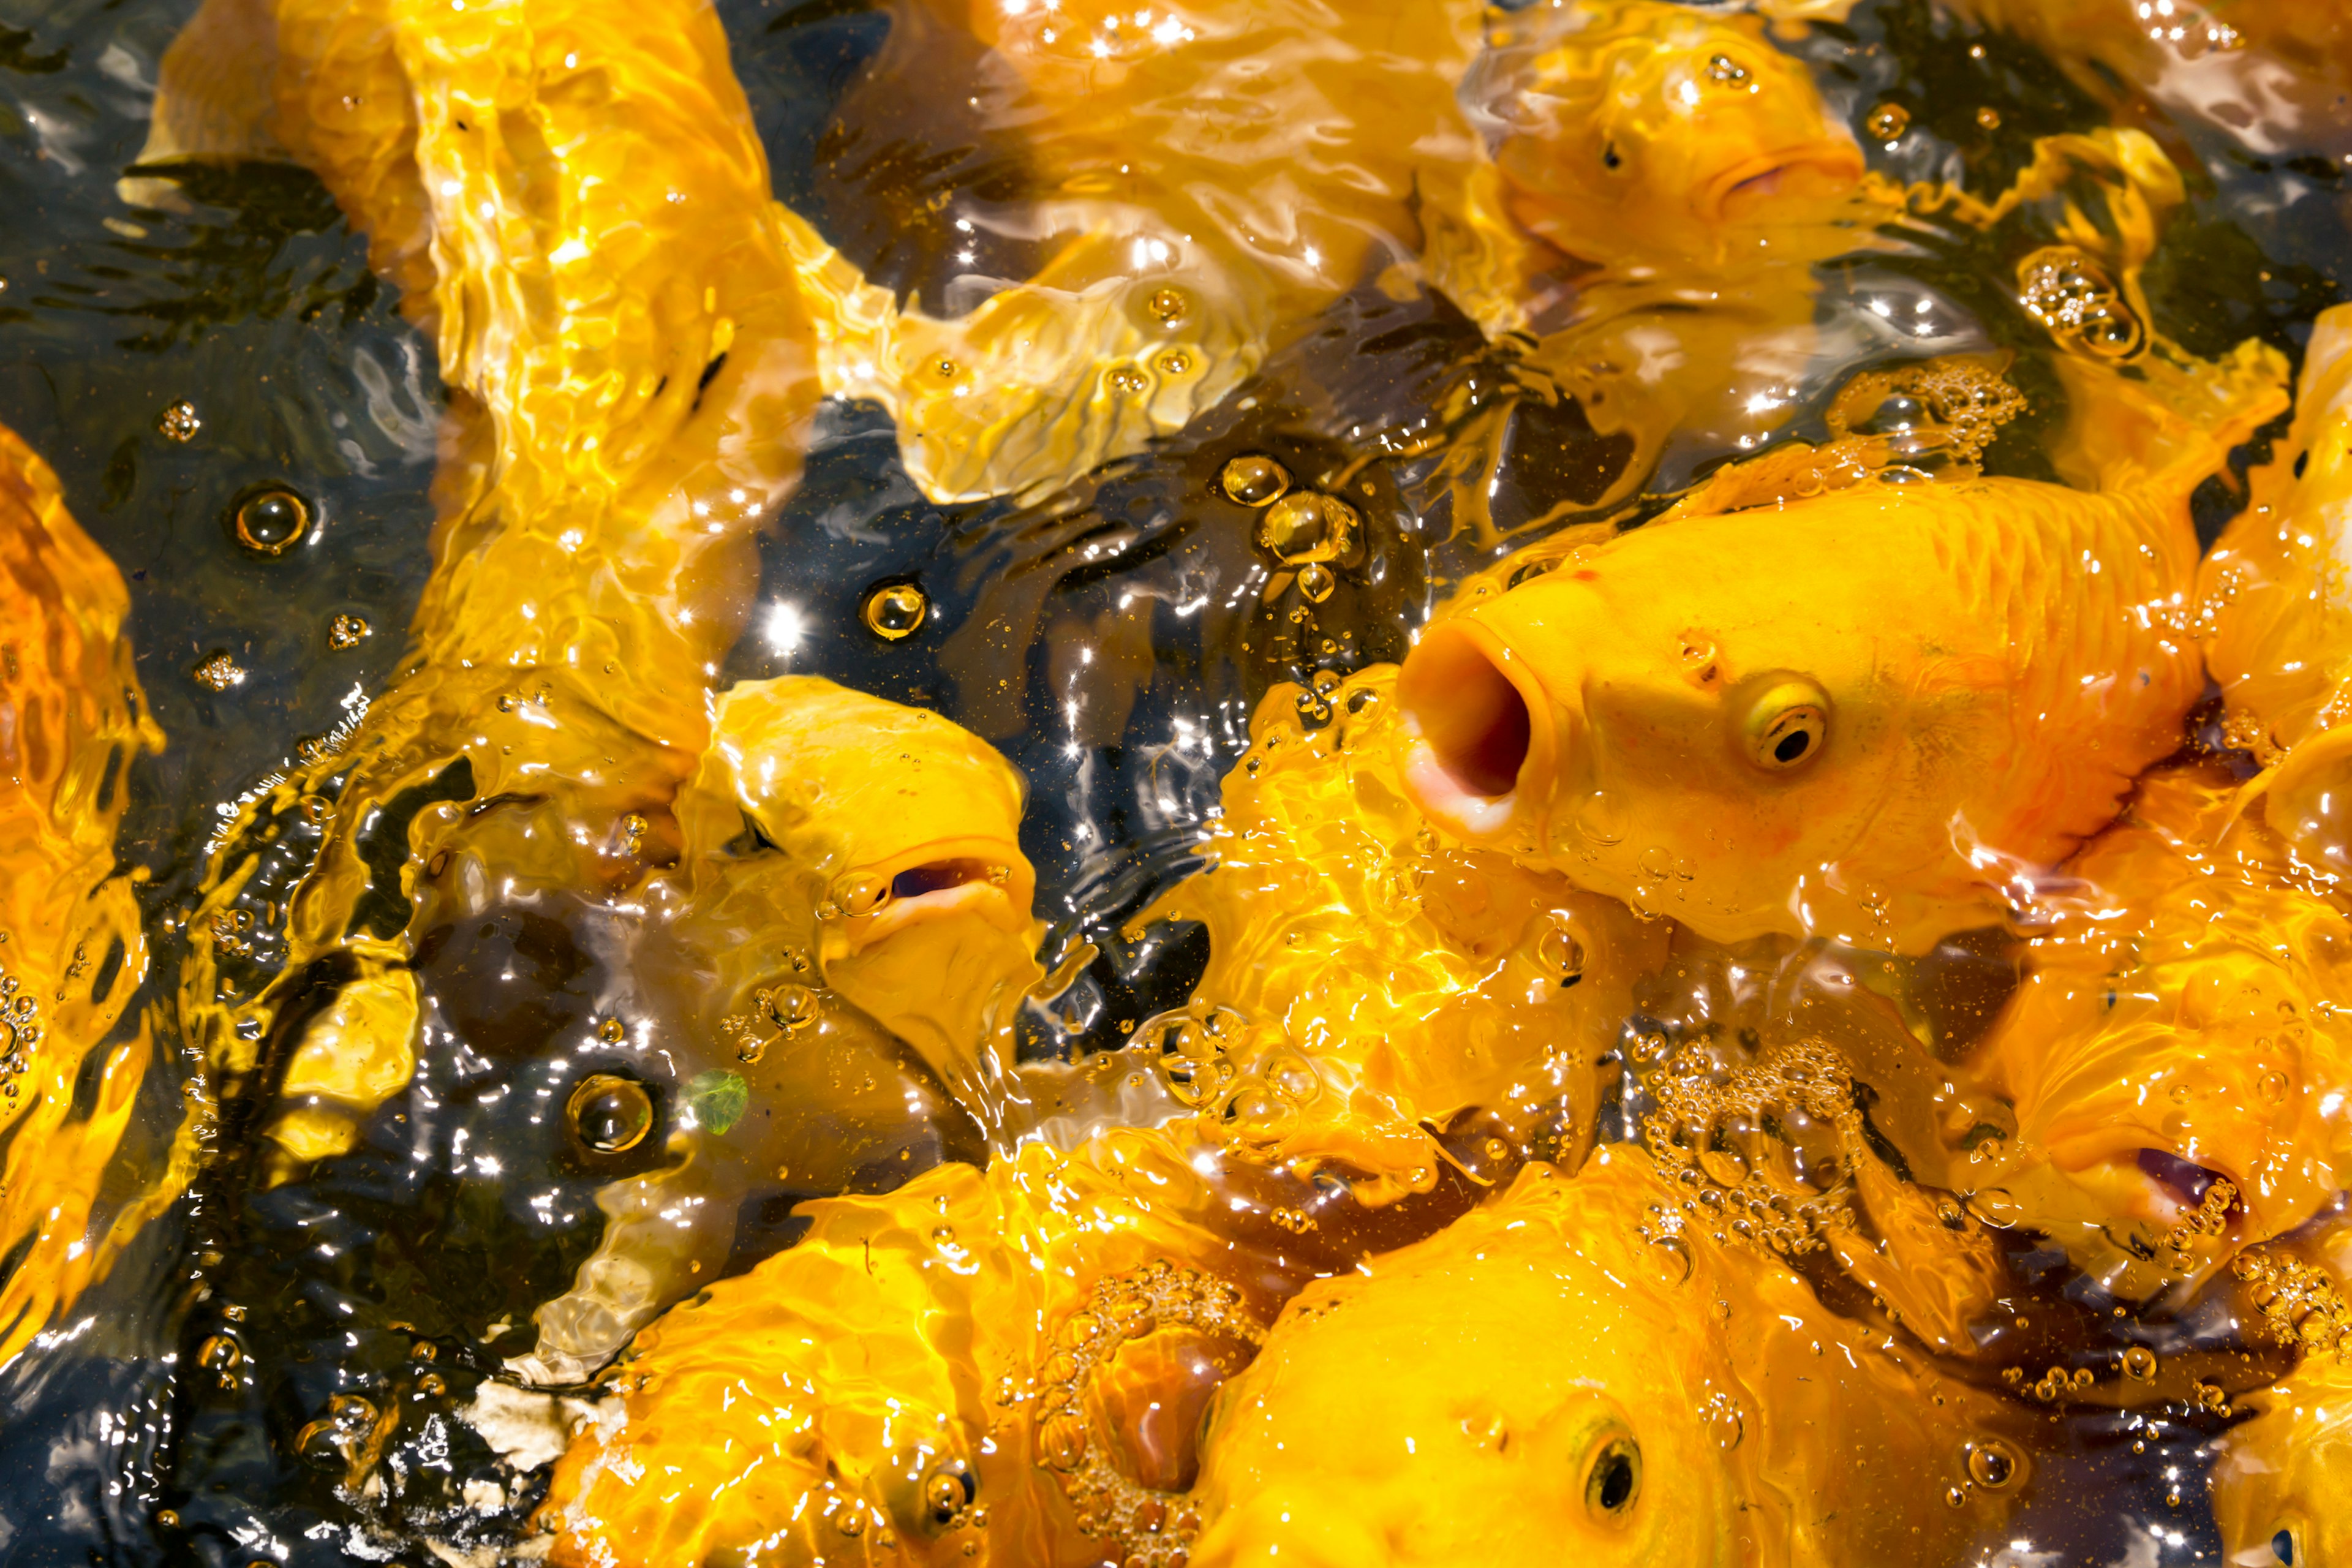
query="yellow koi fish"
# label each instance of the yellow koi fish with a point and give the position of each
(2277, 603)
(1012, 1367)
(2174, 1061)
(1819, 697)
(72, 722)
(571, 194)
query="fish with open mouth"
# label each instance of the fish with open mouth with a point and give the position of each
(1111, 1356)
(1842, 690)
(738, 946)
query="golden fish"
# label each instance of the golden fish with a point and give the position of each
(572, 196)
(1664, 187)
(1369, 987)
(1009, 1367)
(1573, 1372)
(2278, 607)
(1816, 698)
(2170, 1081)
(2272, 76)
(1196, 228)
(72, 722)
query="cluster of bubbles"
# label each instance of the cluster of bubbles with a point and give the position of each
(1148, 1528)
(2300, 1305)
(1306, 532)
(20, 1029)
(2067, 292)
(1245, 1075)
(1942, 413)
(1762, 1147)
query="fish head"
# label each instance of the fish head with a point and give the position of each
(1640, 131)
(1671, 723)
(896, 833)
(2177, 1039)
(1515, 1390)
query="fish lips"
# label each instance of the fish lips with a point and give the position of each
(946, 879)
(1829, 167)
(1483, 739)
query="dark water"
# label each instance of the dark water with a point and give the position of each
(1111, 640)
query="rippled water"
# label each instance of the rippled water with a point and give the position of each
(1112, 641)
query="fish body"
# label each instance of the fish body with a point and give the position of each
(548, 845)
(971, 1369)
(1568, 1374)
(879, 1390)
(1852, 713)
(72, 723)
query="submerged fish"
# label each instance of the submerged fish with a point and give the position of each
(740, 947)
(2174, 1069)
(1012, 1367)
(2272, 76)
(2277, 603)
(1817, 697)
(72, 723)
(1574, 1372)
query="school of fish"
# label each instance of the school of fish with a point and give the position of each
(1565, 1152)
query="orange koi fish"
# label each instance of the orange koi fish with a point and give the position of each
(1013, 1368)
(1817, 697)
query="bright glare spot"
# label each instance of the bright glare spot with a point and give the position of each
(784, 629)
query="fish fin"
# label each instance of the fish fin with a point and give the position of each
(215, 99)
(2165, 420)
(1937, 1277)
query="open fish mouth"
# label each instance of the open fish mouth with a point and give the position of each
(984, 879)
(1821, 168)
(1480, 727)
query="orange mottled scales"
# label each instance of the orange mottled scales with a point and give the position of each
(1058, 1362)
(71, 953)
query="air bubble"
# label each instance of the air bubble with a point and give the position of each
(1992, 1464)
(612, 1114)
(1306, 526)
(272, 521)
(895, 611)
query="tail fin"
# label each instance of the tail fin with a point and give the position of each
(215, 98)
(2274, 592)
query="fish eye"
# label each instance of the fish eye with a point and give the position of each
(1610, 158)
(1615, 1480)
(1786, 724)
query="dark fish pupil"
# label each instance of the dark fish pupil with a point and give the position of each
(1792, 745)
(1616, 1483)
